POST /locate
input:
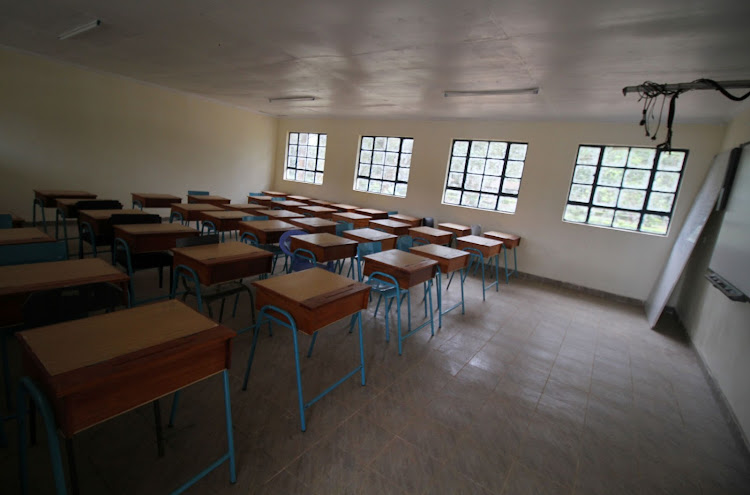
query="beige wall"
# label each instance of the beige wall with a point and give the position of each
(718, 327)
(623, 263)
(62, 127)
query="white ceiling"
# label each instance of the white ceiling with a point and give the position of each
(394, 58)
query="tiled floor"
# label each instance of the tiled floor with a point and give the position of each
(538, 390)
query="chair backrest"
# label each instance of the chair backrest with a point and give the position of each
(208, 227)
(250, 238)
(404, 242)
(341, 227)
(365, 248)
(285, 241)
(176, 215)
(35, 252)
(132, 219)
(278, 199)
(197, 240)
(198, 193)
(6, 221)
(476, 229)
(95, 204)
(391, 213)
(428, 222)
(251, 218)
(255, 194)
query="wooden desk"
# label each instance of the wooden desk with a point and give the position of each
(280, 214)
(49, 197)
(211, 200)
(412, 221)
(317, 211)
(386, 240)
(153, 200)
(510, 241)
(224, 220)
(192, 211)
(67, 206)
(325, 247)
(456, 229)
(248, 209)
(215, 263)
(260, 200)
(373, 213)
(319, 202)
(303, 199)
(434, 236)
(344, 207)
(357, 220)
(490, 250)
(17, 282)
(314, 225)
(149, 237)
(449, 260)
(94, 369)
(275, 194)
(288, 204)
(23, 235)
(267, 231)
(391, 226)
(99, 219)
(314, 298)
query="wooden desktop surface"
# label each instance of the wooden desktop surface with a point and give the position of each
(260, 200)
(275, 194)
(267, 231)
(314, 225)
(359, 221)
(412, 221)
(23, 235)
(408, 269)
(303, 199)
(344, 207)
(319, 202)
(192, 211)
(224, 220)
(247, 208)
(50, 196)
(510, 240)
(325, 247)
(155, 200)
(315, 298)
(318, 211)
(66, 206)
(373, 213)
(488, 247)
(215, 263)
(289, 203)
(391, 226)
(143, 238)
(387, 241)
(99, 367)
(434, 236)
(280, 214)
(99, 219)
(208, 199)
(455, 228)
(448, 259)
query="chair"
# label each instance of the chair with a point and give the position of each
(84, 204)
(6, 221)
(364, 249)
(251, 218)
(139, 261)
(404, 242)
(476, 229)
(208, 228)
(428, 222)
(255, 194)
(342, 227)
(197, 193)
(300, 259)
(176, 215)
(391, 213)
(35, 252)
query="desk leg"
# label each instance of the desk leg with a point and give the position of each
(439, 286)
(74, 487)
(159, 432)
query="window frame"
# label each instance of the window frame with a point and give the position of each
(502, 176)
(297, 157)
(648, 190)
(396, 181)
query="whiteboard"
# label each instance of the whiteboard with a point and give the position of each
(691, 231)
(731, 256)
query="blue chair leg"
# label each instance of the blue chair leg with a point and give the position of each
(303, 426)
(398, 322)
(230, 431)
(256, 332)
(312, 344)
(40, 204)
(173, 412)
(6, 369)
(361, 347)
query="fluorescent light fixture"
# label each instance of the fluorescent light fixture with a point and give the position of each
(493, 92)
(80, 29)
(292, 98)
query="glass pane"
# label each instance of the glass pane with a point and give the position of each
(388, 188)
(497, 150)
(610, 176)
(476, 165)
(511, 186)
(514, 169)
(460, 148)
(660, 202)
(405, 160)
(584, 175)
(406, 147)
(487, 201)
(671, 162)
(378, 157)
(290, 174)
(637, 179)
(518, 151)
(615, 157)
(470, 199)
(389, 173)
(301, 162)
(458, 164)
(588, 155)
(665, 181)
(605, 196)
(403, 174)
(641, 158)
(292, 150)
(631, 199)
(655, 224)
(580, 193)
(391, 159)
(321, 152)
(367, 143)
(380, 143)
(455, 180)
(601, 216)
(321, 165)
(361, 184)
(575, 213)
(364, 170)
(322, 139)
(312, 151)
(452, 197)
(300, 175)
(312, 139)
(309, 176)
(376, 172)
(318, 178)
(479, 149)
(365, 157)
(303, 138)
(493, 167)
(626, 220)
(293, 136)
(310, 164)
(292, 162)
(491, 185)
(507, 204)
(374, 186)
(473, 182)
(401, 190)
(394, 144)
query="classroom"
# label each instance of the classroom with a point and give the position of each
(546, 379)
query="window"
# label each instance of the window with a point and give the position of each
(305, 157)
(384, 164)
(485, 174)
(625, 188)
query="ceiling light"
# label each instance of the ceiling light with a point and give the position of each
(80, 29)
(292, 98)
(493, 92)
